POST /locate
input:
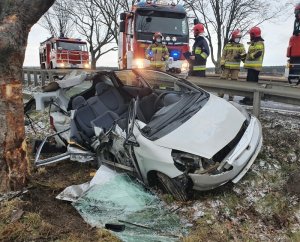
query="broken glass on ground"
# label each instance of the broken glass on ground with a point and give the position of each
(122, 201)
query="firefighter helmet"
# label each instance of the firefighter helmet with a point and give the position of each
(255, 32)
(198, 29)
(236, 34)
(157, 35)
(297, 9)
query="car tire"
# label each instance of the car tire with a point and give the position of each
(172, 187)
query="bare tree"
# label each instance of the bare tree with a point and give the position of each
(57, 20)
(16, 19)
(88, 20)
(221, 17)
(127, 4)
(111, 13)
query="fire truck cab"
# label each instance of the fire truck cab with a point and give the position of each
(136, 34)
(64, 53)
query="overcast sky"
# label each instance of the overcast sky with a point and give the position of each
(276, 37)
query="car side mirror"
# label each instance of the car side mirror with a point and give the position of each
(122, 16)
(122, 27)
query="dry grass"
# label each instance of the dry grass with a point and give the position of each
(30, 226)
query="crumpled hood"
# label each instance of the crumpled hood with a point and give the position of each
(208, 131)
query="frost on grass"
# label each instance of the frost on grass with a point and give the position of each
(260, 206)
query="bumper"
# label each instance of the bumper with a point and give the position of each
(240, 159)
(72, 66)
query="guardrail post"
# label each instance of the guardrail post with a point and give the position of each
(23, 77)
(43, 77)
(256, 103)
(50, 74)
(35, 78)
(29, 78)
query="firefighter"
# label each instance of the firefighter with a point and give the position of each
(157, 53)
(233, 53)
(297, 20)
(200, 52)
(254, 58)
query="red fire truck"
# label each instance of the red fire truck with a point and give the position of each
(64, 53)
(138, 26)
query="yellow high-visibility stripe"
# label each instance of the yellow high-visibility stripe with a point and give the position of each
(157, 64)
(198, 51)
(255, 64)
(204, 55)
(233, 48)
(232, 65)
(158, 48)
(199, 68)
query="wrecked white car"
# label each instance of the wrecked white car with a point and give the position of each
(155, 126)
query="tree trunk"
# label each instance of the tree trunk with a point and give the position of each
(93, 61)
(16, 19)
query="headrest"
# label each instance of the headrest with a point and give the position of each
(101, 88)
(77, 102)
(143, 92)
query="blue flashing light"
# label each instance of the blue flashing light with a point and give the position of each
(175, 54)
(150, 53)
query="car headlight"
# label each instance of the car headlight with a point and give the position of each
(185, 66)
(242, 110)
(87, 65)
(190, 163)
(138, 63)
(60, 64)
(168, 38)
(174, 39)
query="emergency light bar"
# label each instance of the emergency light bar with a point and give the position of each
(175, 54)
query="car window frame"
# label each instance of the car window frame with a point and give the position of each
(140, 79)
(181, 81)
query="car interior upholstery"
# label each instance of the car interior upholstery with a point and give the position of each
(108, 106)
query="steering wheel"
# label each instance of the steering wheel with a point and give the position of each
(131, 116)
(160, 96)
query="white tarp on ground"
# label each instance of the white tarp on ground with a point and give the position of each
(116, 199)
(72, 193)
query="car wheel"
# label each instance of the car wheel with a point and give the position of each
(173, 187)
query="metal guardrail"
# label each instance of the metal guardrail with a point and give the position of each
(39, 77)
(278, 93)
(283, 93)
(262, 77)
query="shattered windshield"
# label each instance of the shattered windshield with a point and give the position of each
(181, 100)
(173, 116)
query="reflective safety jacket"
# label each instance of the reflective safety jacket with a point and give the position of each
(232, 55)
(201, 52)
(255, 55)
(158, 54)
